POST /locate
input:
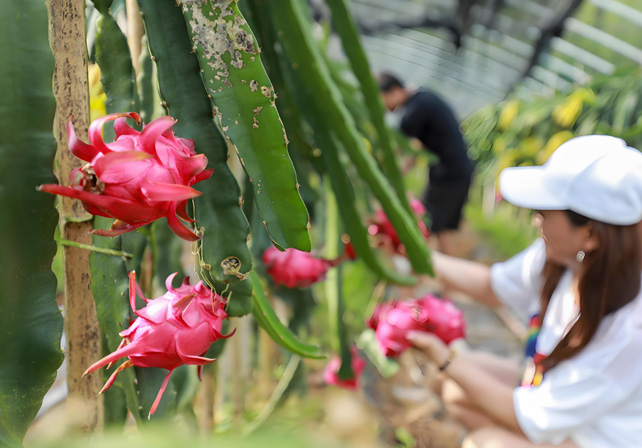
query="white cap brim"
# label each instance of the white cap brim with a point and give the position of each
(529, 187)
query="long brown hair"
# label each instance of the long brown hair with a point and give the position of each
(609, 279)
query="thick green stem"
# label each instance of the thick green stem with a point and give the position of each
(308, 65)
(347, 30)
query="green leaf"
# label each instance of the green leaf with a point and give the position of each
(30, 320)
(245, 108)
(218, 213)
(117, 73)
(367, 343)
(110, 289)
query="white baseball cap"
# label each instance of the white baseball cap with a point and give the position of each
(597, 176)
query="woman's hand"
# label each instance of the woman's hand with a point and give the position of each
(430, 344)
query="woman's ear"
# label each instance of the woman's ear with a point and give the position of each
(591, 241)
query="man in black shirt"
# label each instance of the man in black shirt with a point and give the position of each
(429, 119)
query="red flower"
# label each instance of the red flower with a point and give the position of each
(331, 372)
(392, 321)
(138, 178)
(174, 329)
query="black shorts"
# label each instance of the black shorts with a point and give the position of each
(444, 203)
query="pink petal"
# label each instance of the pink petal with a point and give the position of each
(203, 175)
(123, 170)
(189, 143)
(77, 147)
(181, 211)
(96, 127)
(132, 290)
(160, 394)
(179, 228)
(119, 229)
(169, 280)
(112, 377)
(164, 192)
(127, 350)
(122, 128)
(128, 211)
(185, 344)
(154, 130)
(189, 167)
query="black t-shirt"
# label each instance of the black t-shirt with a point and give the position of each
(428, 118)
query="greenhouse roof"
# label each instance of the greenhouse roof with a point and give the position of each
(475, 52)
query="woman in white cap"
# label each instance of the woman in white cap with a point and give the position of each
(582, 386)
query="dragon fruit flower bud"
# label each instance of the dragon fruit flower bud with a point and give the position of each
(392, 321)
(174, 329)
(331, 372)
(136, 179)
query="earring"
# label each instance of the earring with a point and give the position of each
(580, 256)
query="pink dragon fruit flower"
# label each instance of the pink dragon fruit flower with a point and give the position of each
(383, 228)
(174, 329)
(294, 268)
(331, 372)
(392, 322)
(138, 178)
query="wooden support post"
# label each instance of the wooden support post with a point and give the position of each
(135, 31)
(68, 42)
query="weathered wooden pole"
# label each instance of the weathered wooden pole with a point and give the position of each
(68, 42)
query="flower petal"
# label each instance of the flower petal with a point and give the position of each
(154, 130)
(189, 167)
(132, 290)
(77, 147)
(113, 357)
(181, 211)
(203, 175)
(96, 127)
(110, 382)
(118, 228)
(169, 280)
(164, 192)
(160, 394)
(120, 172)
(122, 128)
(178, 227)
(188, 142)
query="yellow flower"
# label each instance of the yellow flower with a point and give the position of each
(508, 114)
(567, 113)
(553, 143)
(499, 145)
(531, 146)
(97, 96)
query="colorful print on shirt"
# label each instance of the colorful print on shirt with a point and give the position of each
(533, 370)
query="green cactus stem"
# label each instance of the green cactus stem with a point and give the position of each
(308, 67)
(218, 212)
(244, 107)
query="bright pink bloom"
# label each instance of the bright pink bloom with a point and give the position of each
(392, 321)
(138, 178)
(382, 227)
(294, 268)
(174, 329)
(331, 372)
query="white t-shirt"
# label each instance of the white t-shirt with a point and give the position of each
(594, 398)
